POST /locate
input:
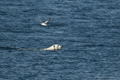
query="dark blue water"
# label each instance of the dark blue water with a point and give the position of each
(89, 31)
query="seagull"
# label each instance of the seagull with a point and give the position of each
(44, 23)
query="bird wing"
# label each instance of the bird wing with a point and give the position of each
(40, 21)
(47, 20)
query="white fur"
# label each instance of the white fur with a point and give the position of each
(54, 47)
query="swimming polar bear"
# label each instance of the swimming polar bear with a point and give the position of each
(51, 48)
(54, 47)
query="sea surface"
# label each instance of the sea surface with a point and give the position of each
(88, 30)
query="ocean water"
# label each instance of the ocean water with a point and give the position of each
(89, 31)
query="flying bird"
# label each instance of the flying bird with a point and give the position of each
(44, 23)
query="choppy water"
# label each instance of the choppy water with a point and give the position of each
(89, 31)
